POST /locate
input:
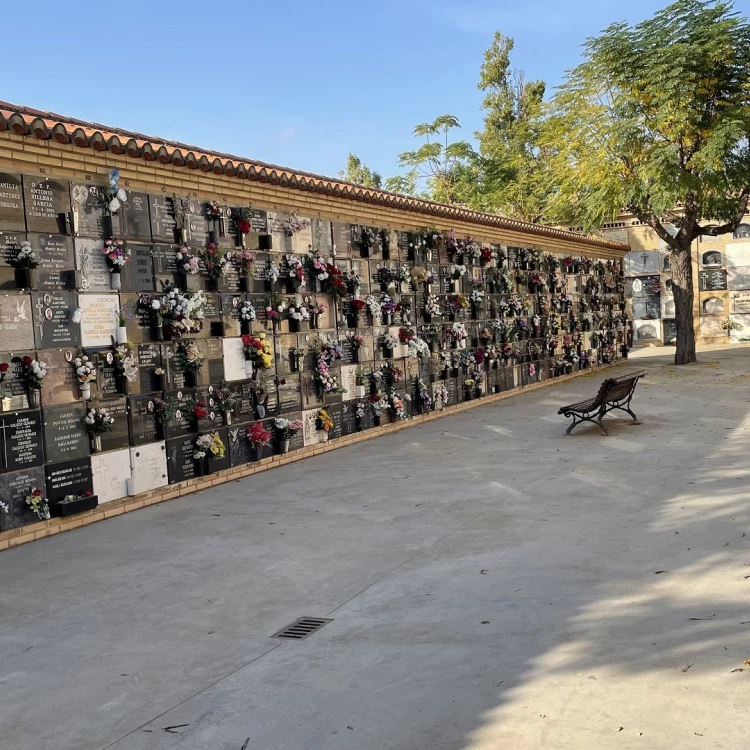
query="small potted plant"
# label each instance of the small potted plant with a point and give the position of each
(226, 402)
(23, 263)
(359, 378)
(97, 422)
(259, 437)
(34, 372)
(286, 429)
(85, 373)
(38, 504)
(323, 423)
(72, 504)
(117, 254)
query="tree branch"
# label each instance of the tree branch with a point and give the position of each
(716, 230)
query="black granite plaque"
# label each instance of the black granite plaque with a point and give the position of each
(161, 210)
(238, 445)
(138, 319)
(646, 308)
(47, 204)
(245, 407)
(135, 217)
(712, 281)
(670, 330)
(118, 436)
(180, 462)
(64, 435)
(11, 202)
(195, 222)
(56, 264)
(52, 314)
(230, 313)
(183, 421)
(214, 462)
(336, 412)
(68, 478)
(342, 239)
(22, 441)
(138, 274)
(105, 385)
(149, 360)
(14, 487)
(87, 206)
(142, 420)
(165, 262)
(10, 244)
(214, 418)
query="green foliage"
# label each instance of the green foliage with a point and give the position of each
(657, 117)
(515, 176)
(360, 173)
(448, 170)
(405, 184)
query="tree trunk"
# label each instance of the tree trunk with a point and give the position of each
(680, 263)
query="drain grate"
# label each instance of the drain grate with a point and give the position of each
(301, 628)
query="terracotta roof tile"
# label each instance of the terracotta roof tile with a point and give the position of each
(27, 121)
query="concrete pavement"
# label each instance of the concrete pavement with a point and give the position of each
(492, 584)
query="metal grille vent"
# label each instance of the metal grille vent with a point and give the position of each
(301, 628)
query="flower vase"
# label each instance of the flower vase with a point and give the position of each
(355, 355)
(191, 378)
(359, 391)
(284, 446)
(192, 282)
(23, 278)
(121, 335)
(228, 418)
(86, 391)
(244, 327)
(34, 398)
(314, 322)
(353, 321)
(96, 443)
(376, 420)
(115, 280)
(244, 283)
(249, 369)
(293, 325)
(323, 434)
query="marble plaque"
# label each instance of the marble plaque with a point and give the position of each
(646, 308)
(14, 487)
(641, 263)
(737, 335)
(348, 381)
(64, 436)
(148, 464)
(87, 206)
(21, 441)
(310, 434)
(61, 385)
(72, 477)
(47, 203)
(180, 461)
(56, 265)
(646, 330)
(321, 237)
(738, 278)
(342, 239)
(737, 254)
(111, 472)
(99, 318)
(95, 276)
(16, 324)
(740, 302)
(670, 331)
(142, 420)
(138, 319)
(11, 202)
(53, 326)
(289, 398)
(161, 209)
(135, 217)
(234, 359)
(13, 389)
(230, 313)
(138, 273)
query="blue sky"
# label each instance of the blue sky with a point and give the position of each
(292, 82)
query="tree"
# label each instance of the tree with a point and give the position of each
(515, 175)
(448, 169)
(404, 184)
(360, 173)
(656, 121)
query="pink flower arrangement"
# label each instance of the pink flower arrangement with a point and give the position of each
(116, 253)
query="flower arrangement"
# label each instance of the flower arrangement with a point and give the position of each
(216, 260)
(85, 369)
(379, 404)
(655, 287)
(98, 421)
(440, 394)
(423, 393)
(567, 262)
(418, 348)
(432, 306)
(209, 443)
(116, 254)
(290, 224)
(275, 308)
(200, 410)
(506, 283)
(353, 282)
(299, 313)
(26, 257)
(730, 325)
(357, 305)
(273, 272)
(213, 211)
(187, 357)
(4, 508)
(517, 305)
(38, 504)
(164, 410)
(326, 382)
(488, 254)
(406, 334)
(457, 271)
(323, 421)
(296, 271)
(317, 308)
(359, 411)
(396, 405)
(477, 298)
(286, 429)
(485, 334)
(225, 400)
(374, 306)
(245, 259)
(357, 341)
(258, 350)
(178, 313)
(473, 249)
(387, 305)
(388, 341)
(418, 274)
(247, 312)
(187, 262)
(125, 362)
(457, 332)
(113, 196)
(34, 372)
(458, 302)
(243, 217)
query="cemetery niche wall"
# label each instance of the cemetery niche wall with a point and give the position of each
(152, 338)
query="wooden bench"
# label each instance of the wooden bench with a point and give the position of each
(614, 393)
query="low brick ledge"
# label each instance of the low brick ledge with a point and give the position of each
(31, 532)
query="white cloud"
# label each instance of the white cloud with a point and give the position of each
(284, 136)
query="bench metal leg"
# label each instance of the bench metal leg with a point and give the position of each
(597, 421)
(622, 407)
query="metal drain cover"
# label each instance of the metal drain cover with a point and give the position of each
(301, 628)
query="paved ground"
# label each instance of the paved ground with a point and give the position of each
(493, 584)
